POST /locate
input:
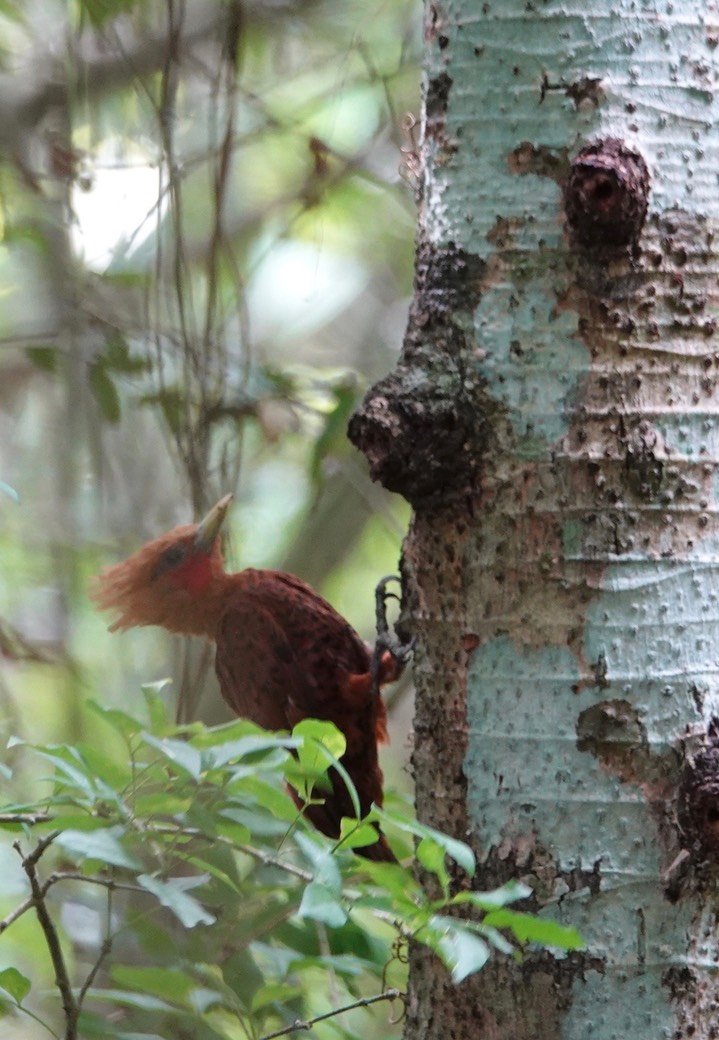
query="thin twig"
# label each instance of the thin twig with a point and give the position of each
(29, 819)
(272, 861)
(105, 951)
(109, 883)
(38, 851)
(62, 979)
(300, 1025)
(36, 1018)
(17, 912)
(265, 858)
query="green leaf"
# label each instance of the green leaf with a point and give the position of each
(105, 392)
(308, 773)
(324, 865)
(218, 873)
(70, 767)
(143, 1001)
(356, 834)
(319, 904)
(530, 928)
(167, 983)
(458, 850)
(162, 802)
(239, 825)
(432, 857)
(318, 738)
(275, 993)
(102, 844)
(179, 752)
(397, 882)
(377, 904)
(457, 946)
(138, 1036)
(227, 733)
(109, 775)
(119, 720)
(172, 894)
(201, 819)
(462, 952)
(495, 938)
(267, 792)
(44, 358)
(240, 833)
(236, 750)
(80, 821)
(202, 999)
(508, 893)
(15, 983)
(27, 233)
(156, 705)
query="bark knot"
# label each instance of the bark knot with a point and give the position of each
(606, 195)
(425, 428)
(420, 444)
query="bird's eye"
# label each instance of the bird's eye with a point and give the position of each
(174, 555)
(170, 558)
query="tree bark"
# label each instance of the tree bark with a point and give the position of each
(553, 421)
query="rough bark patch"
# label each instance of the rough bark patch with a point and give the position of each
(540, 161)
(613, 732)
(437, 97)
(698, 808)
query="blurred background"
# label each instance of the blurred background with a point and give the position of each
(206, 241)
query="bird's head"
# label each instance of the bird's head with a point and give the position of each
(172, 581)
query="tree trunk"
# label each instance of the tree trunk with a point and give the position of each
(553, 421)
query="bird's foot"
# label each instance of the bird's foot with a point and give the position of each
(381, 595)
(399, 647)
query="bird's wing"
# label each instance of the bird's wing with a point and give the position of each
(278, 634)
(256, 667)
(282, 658)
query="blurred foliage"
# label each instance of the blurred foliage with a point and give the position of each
(204, 909)
(205, 257)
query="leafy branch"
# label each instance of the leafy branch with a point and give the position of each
(193, 826)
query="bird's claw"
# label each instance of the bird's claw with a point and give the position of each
(399, 646)
(381, 595)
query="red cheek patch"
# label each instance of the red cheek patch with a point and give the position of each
(194, 574)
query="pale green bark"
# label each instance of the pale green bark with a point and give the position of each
(586, 569)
